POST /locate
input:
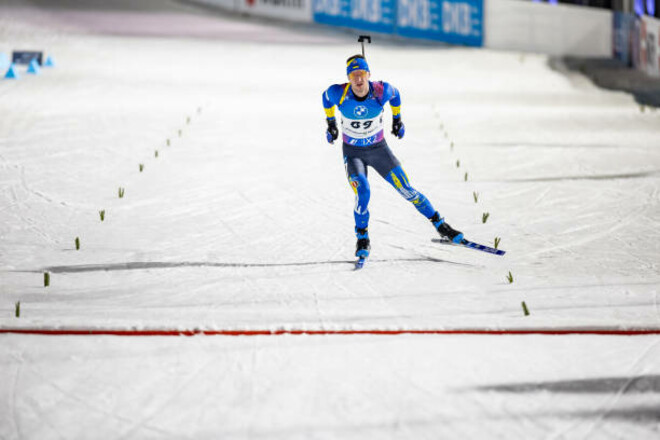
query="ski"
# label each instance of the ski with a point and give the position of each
(472, 245)
(359, 264)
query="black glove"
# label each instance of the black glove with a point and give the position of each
(398, 129)
(332, 133)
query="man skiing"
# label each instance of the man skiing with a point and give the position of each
(361, 103)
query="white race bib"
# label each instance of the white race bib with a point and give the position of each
(362, 128)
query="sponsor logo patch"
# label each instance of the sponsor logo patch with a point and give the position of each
(360, 110)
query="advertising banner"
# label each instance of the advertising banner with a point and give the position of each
(451, 21)
(368, 15)
(294, 10)
(26, 57)
(622, 36)
(650, 45)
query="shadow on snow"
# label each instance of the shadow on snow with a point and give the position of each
(172, 265)
(623, 385)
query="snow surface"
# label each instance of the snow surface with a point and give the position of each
(245, 222)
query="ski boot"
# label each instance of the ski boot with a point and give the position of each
(445, 230)
(363, 245)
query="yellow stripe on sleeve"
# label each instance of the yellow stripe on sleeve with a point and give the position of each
(330, 112)
(396, 110)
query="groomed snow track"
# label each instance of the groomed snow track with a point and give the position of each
(237, 222)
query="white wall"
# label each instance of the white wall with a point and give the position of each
(550, 29)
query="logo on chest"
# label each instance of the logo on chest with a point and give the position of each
(360, 111)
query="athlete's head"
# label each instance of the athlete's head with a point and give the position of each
(356, 62)
(358, 73)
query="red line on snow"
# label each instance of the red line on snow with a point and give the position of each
(171, 332)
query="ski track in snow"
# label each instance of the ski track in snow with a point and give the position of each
(244, 221)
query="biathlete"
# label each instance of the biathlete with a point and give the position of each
(360, 103)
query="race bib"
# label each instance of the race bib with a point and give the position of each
(362, 128)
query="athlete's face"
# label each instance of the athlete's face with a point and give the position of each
(360, 82)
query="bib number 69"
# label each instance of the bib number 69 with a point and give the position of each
(358, 124)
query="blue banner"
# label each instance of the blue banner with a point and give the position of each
(368, 15)
(451, 21)
(26, 57)
(623, 28)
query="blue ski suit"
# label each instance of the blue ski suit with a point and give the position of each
(364, 144)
